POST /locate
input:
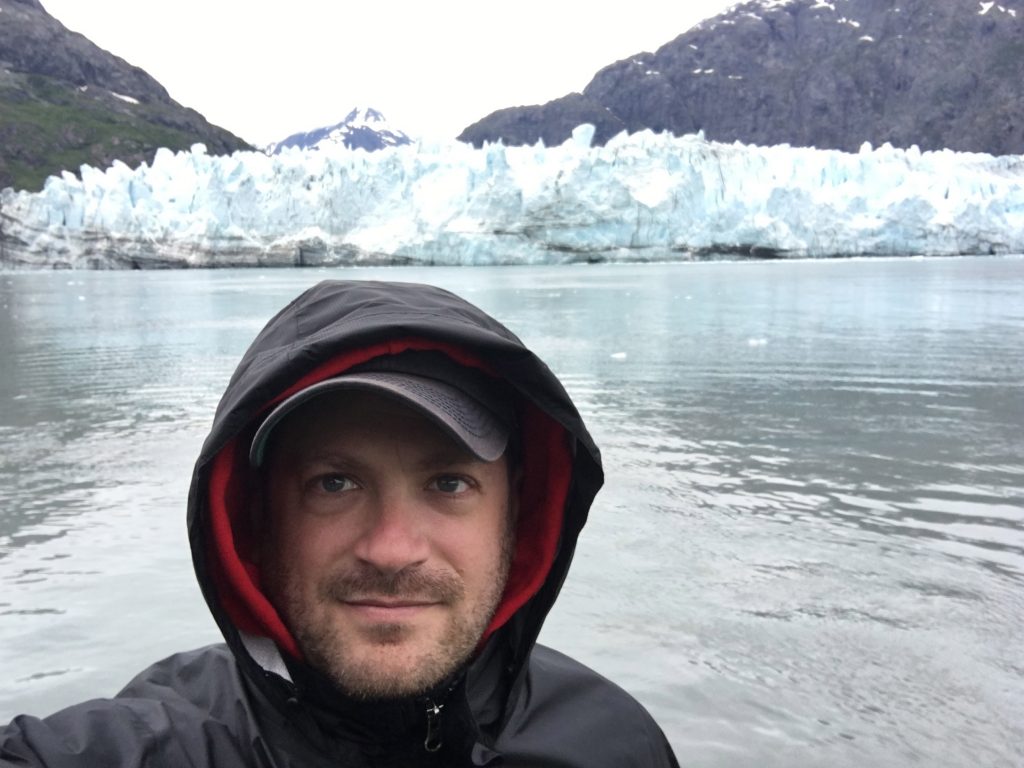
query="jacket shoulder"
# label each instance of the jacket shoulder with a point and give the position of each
(568, 714)
(183, 710)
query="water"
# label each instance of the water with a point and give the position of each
(810, 550)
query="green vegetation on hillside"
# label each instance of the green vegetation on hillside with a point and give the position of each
(47, 126)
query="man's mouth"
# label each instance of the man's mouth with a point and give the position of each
(390, 602)
(372, 600)
(388, 610)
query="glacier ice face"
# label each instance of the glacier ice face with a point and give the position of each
(641, 197)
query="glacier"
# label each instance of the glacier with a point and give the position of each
(641, 197)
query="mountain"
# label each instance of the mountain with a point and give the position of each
(65, 102)
(830, 74)
(362, 128)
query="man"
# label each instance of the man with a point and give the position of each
(380, 519)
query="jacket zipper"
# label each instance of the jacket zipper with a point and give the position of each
(432, 742)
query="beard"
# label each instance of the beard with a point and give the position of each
(389, 660)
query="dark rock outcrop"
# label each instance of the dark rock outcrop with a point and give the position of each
(935, 73)
(65, 102)
(551, 123)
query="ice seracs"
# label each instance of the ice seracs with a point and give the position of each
(642, 197)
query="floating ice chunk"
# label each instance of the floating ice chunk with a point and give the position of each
(618, 355)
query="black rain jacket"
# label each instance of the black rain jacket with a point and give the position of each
(252, 702)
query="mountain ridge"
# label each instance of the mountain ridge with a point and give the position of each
(832, 75)
(67, 102)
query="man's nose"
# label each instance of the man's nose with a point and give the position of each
(394, 536)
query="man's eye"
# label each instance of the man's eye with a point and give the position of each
(336, 483)
(450, 484)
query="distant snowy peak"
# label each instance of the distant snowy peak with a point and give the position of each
(363, 128)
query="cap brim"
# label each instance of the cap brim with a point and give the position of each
(463, 418)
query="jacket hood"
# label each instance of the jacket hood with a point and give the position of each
(339, 324)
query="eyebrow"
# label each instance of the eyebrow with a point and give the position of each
(448, 457)
(440, 459)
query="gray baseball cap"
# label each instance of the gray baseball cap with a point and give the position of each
(475, 409)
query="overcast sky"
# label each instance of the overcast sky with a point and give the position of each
(431, 66)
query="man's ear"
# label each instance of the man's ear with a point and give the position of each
(515, 493)
(257, 520)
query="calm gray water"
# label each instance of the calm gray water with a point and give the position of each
(810, 550)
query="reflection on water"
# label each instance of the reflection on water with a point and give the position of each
(810, 550)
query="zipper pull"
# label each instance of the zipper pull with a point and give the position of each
(433, 741)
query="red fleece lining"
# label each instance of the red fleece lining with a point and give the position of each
(547, 467)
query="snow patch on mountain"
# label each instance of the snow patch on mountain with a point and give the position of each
(363, 128)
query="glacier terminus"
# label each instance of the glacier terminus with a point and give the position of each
(641, 197)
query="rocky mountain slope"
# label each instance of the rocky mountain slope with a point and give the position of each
(64, 102)
(363, 128)
(822, 73)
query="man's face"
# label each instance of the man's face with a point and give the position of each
(389, 545)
